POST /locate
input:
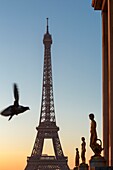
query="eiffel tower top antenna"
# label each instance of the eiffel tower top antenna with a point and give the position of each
(47, 40)
(47, 25)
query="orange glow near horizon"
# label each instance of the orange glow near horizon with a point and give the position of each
(12, 161)
(17, 160)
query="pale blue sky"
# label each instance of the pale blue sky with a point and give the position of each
(76, 63)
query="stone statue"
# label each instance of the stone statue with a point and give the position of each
(96, 148)
(93, 137)
(83, 150)
(77, 158)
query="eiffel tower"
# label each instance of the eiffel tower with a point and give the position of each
(47, 128)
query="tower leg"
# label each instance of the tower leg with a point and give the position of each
(57, 147)
(38, 146)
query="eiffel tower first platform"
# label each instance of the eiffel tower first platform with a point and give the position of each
(47, 128)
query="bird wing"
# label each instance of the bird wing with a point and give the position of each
(7, 111)
(16, 95)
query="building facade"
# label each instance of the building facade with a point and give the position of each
(106, 7)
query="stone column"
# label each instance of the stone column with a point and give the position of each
(105, 101)
(110, 70)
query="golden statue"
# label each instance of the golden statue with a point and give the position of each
(93, 137)
(96, 148)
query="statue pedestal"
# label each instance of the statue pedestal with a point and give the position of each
(97, 161)
(83, 166)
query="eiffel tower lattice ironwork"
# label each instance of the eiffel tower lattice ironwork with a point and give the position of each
(47, 128)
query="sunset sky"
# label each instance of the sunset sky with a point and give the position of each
(76, 64)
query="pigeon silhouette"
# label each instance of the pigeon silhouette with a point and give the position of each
(14, 109)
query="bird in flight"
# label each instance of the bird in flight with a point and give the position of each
(14, 109)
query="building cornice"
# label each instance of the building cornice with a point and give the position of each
(99, 4)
